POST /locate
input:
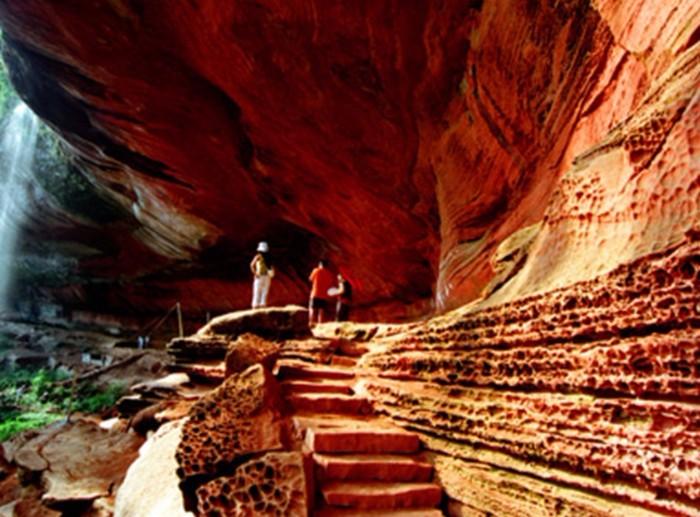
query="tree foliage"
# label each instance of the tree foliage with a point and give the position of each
(35, 398)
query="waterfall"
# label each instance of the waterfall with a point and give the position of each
(17, 147)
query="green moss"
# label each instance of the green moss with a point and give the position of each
(8, 97)
(66, 183)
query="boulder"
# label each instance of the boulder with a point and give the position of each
(198, 347)
(163, 387)
(155, 463)
(249, 350)
(240, 417)
(152, 417)
(271, 322)
(76, 462)
(273, 484)
(9, 483)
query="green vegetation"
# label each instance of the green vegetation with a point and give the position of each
(31, 399)
(68, 185)
(94, 399)
(19, 422)
(8, 97)
(6, 343)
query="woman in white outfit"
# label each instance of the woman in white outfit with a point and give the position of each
(263, 272)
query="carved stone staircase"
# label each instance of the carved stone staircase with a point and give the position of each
(363, 465)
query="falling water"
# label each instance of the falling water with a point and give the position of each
(17, 147)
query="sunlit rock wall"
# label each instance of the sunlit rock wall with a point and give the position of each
(544, 83)
(572, 386)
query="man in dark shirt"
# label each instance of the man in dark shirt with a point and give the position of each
(342, 305)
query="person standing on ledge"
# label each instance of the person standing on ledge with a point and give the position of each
(344, 294)
(321, 281)
(262, 270)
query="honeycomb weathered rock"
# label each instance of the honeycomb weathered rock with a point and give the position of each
(270, 485)
(249, 350)
(240, 417)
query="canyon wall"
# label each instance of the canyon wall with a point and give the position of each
(405, 144)
(532, 166)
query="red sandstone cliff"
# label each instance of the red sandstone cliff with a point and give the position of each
(539, 161)
(405, 143)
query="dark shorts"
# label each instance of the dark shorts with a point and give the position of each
(342, 311)
(319, 303)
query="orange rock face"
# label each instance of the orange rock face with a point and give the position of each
(273, 484)
(404, 143)
(537, 160)
(241, 417)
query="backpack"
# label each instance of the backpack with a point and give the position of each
(347, 290)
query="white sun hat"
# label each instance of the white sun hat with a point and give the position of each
(263, 247)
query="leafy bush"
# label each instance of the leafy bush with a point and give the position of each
(34, 398)
(6, 343)
(18, 422)
(92, 399)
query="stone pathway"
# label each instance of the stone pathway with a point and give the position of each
(362, 465)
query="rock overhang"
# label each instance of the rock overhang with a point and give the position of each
(405, 144)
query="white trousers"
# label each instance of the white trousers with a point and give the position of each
(261, 286)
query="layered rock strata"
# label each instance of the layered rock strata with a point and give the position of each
(403, 142)
(213, 340)
(581, 367)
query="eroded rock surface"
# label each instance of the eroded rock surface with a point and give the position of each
(249, 350)
(240, 417)
(537, 160)
(213, 341)
(150, 488)
(76, 465)
(198, 348)
(271, 322)
(273, 484)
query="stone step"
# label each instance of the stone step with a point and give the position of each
(334, 511)
(305, 421)
(363, 440)
(377, 467)
(352, 348)
(329, 403)
(319, 386)
(341, 360)
(375, 495)
(292, 369)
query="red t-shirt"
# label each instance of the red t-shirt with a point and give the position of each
(321, 280)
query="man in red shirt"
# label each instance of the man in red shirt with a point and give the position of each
(321, 281)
